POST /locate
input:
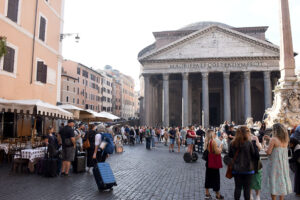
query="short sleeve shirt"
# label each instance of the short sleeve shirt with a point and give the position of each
(172, 134)
(98, 139)
(66, 133)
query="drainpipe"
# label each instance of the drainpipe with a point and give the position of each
(33, 41)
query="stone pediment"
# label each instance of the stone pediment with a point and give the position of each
(213, 42)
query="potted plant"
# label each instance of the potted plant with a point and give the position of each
(3, 49)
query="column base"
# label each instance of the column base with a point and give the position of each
(286, 105)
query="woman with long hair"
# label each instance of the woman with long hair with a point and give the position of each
(178, 139)
(90, 151)
(212, 176)
(242, 150)
(278, 179)
(295, 146)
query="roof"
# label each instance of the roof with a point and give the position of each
(204, 24)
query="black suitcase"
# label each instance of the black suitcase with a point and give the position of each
(148, 143)
(104, 176)
(49, 166)
(188, 158)
(79, 164)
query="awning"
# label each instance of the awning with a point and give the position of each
(94, 117)
(74, 110)
(34, 106)
(109, 115)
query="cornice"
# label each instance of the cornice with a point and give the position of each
(212, 59)
(231, 32)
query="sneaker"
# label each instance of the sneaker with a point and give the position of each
(251, 197)
(62, 174)
(257, 197)
(220, 197)
(208, 197)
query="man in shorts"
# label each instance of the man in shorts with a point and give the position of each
(67, 138)
(172, 135)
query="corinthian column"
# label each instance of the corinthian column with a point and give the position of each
(205, 99)
(227, 105)
(247, 86)
(166, 100)
(185, 100)
(147, 97)
(268, 90)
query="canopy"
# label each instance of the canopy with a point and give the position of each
(78, 113)
(94, 116)
(108, 115)
(34, 106)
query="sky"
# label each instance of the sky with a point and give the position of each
(112, 32)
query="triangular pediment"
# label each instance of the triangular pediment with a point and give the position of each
(214, 42)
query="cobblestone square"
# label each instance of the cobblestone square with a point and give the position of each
(140, 174)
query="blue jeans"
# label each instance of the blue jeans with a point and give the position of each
(153, 141)
(137, 139)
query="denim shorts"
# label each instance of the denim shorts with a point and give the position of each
(172, 141)
(190, 141)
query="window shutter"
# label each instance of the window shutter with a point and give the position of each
(12, 10)
(39, 71)
(42, 28)
(44, 77)
(9, 60)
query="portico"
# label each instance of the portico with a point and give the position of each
(214, 73)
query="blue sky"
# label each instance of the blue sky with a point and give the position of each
(113, 32)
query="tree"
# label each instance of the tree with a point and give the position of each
(3, 49)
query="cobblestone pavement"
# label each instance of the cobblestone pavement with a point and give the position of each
(140, 174)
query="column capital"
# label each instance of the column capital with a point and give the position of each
(204, 74)
(185, 76)
(247, 75)
(146, 76)
(267, 74)
(165, 77)
(226, 75)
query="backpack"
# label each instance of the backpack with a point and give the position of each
(110, 143)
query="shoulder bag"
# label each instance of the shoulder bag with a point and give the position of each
(214, 160)
(86, 144)
(230, 166)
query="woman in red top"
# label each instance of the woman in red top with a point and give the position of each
(191, 135)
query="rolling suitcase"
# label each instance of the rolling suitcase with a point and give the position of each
(104, 176)
(49, 167)
(79, 163)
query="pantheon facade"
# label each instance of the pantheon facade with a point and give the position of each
(206, 73)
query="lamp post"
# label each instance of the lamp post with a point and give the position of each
(64, 35)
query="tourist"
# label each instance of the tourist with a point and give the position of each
(172, 136)
(178, 139)
(226, 127)
(230, 134)
(183, 135)
(53, 147)
(295, 160)
(98, 153)
(162, 132)
(218, 132)
(78, 136)
(296, 134)
(67, 137)
(166, 136)
(148, 138)
(153, 137)
(90, 151)
(257, 177)
(191, 135)
(199, 141)
(212, 176)
(138, 135)
(278, 179)
(243, 166)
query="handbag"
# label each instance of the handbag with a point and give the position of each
(230, 166)
(86, 144)
(205, 155)
(214, 160)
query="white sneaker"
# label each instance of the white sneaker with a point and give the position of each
(257, 197)
(251, 197)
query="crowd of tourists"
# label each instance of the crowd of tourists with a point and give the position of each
(241, 147)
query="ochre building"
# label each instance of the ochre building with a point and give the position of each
(206, 73)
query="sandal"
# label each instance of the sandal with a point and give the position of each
(220, 197)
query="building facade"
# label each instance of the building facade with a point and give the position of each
(69, 87)
(88, 85)
(206, 73)
(106, 91)
(31, 69)
(117, 97)
(127, 96)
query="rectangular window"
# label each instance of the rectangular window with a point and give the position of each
(9, 60)
(42, 33)
(67, 99)
(78, 92)
(41, 74)
(73, 100)
(12, 10)
(78, 70)
(77, 101)
(85, 74)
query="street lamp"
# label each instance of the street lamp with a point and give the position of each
(64, 35)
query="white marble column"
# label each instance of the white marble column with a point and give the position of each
(268, 90)
(247, 89)
(165, 100)
(185, 99)
(147, 96)
(205, 99)
(227, 103)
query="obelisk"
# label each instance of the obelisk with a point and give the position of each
(286, 103)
